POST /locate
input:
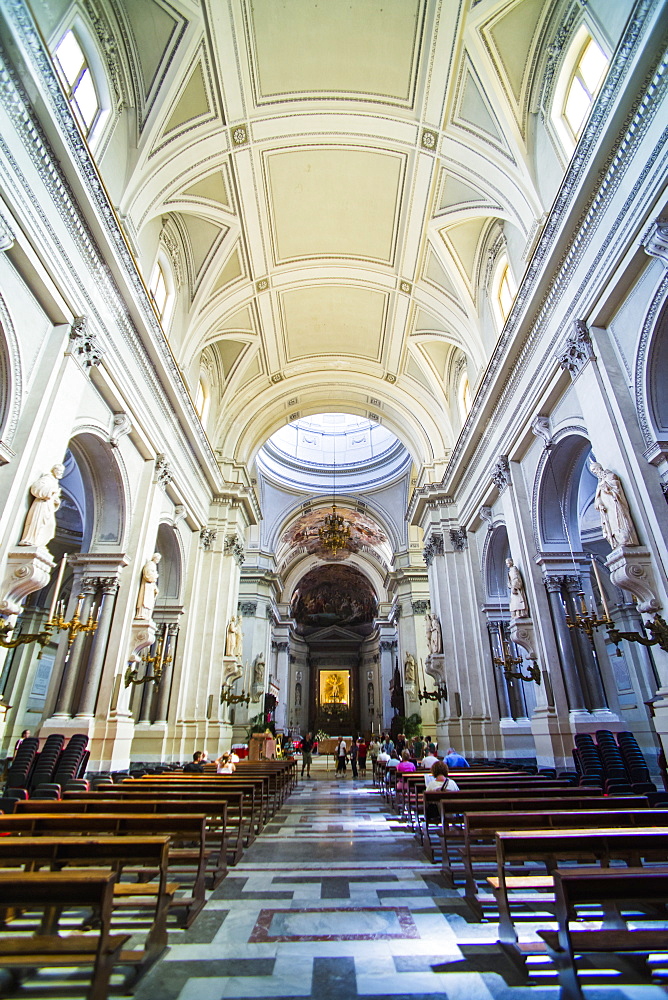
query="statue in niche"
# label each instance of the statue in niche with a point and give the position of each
(370, 694)
(410, 669)
(518, 599)
(298, 695)
(148, 589)
(40, 523)
(434, 637)
(611, 503)
(239, 645)
(258, 670)
(231, 637)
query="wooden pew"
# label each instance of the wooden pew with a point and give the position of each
(146, 853)
(616, 890)
(479, 847)
(453, 806)
(255, 789)
(39, 818)
(226, 813)
(58, 891)
(549, 848)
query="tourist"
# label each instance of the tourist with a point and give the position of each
(418, 747)
(400, 745)
(307, 754)
(438, 780)
(374, 749)
(405, 766)
(387, 744)
(195, 766)
(353, 756)
(224, 764)
(428, 761)
(455, 760)
(361, 755)
(341, 757)
(24, 736)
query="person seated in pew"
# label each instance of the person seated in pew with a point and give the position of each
(404, 766)
(438, 780)
(428, 761)
(454, 759)
(195, 766)
(224, 764)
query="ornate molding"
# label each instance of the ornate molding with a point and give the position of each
(458, 539)
(28, 570)
(578, 350)
(486, 514)
(555, 582)
(421, 607)
(501, 473)
(655, 241)
(434, 547)
(387, 645)
(7, 237)
(542, 427)
(84, 344)
(234, 547)
(163, 472)
(631, 569)
(247, 609)
(121, 425)
(207, 537)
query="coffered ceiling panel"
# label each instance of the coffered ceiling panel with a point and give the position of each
(327, 202)
(333, 319)
(368, 50)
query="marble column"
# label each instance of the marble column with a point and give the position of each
(89, 693)
(387, 648)
(164, 690)
(590, 674)
(494, 629)
(282, 650)
(569, 670)
(72, 664)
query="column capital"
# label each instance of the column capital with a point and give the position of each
(434, 547)
(501, 473)
(578, 349)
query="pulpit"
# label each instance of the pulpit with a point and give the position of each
(262, 746)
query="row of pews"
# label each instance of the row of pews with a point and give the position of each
(518, 846)
(148, 847)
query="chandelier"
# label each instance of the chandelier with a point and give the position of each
(335, 532)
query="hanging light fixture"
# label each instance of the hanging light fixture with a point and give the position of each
(334, 534)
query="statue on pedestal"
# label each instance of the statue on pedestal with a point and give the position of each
(258, 671)
(40, 523)
(611, 503)
(434, 637)
(410, 669)
(518, 600)
(148, 589)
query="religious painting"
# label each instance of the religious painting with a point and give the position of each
(334, 687)
(334, 595)
(363, 532)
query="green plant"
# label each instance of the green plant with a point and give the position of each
(259, 724)
(410, 725)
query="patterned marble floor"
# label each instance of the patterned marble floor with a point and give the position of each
(336, 901)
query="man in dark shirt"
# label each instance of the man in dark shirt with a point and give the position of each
(307, 754)
(195, 766)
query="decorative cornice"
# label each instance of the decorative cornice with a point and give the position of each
(434, 547)
(578, 350)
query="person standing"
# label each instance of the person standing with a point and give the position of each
(341, 754)
(307, 754)
(361, 755)
(387, 744)
(353, 756)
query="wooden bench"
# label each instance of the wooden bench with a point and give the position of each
(479, 847)
(550, 848)
(617, 891)
(119, 853)
(450, 807)
(55, 892)
(39, 818)
(255, 790)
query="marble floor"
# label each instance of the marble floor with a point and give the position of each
(336, 901)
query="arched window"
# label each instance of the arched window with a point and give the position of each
(504, 290)
(77, 80)
(161, 289)
(580, 79)
(202, 398)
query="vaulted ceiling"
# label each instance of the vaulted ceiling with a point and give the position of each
(330, 180)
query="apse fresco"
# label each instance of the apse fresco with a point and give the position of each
(333, 595)
(304, 532)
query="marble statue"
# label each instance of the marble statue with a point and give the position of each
(40, 524)
(239, 646)
(611, 503)
(231, 637)
(410, 669)
(518, 599)
(258, 670)
(434, 637)
(148, 589)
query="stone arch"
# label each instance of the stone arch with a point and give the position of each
(495, 571)
(563, 493)
(10, 381)
(651, 379)
(168, 544)
(106, 491)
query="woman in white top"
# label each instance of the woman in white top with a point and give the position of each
(438, 780)
(224, 765)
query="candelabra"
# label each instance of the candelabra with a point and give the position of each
(657, 627)
(587, 621)
(155, 664)
(227, 698)
(56, 622)
(440, 694)
(508, 662)
(43, 637)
